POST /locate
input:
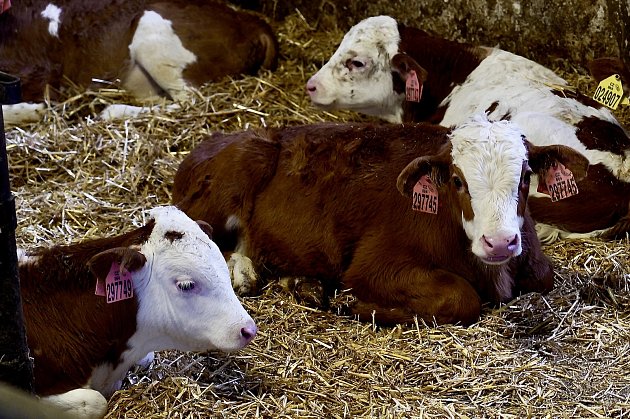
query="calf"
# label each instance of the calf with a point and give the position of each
(154, 48)
(321, 201)
(380, 59)
(179, 297)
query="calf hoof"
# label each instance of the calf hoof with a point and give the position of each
(243, 274)
(307, 291)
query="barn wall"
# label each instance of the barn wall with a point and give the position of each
(544, 30)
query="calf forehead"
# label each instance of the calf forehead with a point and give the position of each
(371, 35)
(175, 227)
(490, 155)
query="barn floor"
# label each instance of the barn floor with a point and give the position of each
(562, 355)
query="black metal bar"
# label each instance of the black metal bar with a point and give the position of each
(15, 364)
(10, 89)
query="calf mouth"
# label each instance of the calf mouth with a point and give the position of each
(324, 106)
(496, 260)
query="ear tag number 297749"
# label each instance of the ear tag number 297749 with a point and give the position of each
(118, 285)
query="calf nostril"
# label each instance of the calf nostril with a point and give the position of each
(487, 242)
(311, 87)
(513, 243)
(248, 332)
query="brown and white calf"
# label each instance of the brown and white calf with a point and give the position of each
(321, 202)
(154, 48)
(178, 296)
(370, 71)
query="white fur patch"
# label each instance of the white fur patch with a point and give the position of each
(81, 403)
(119, 111)
(548, 234)
(24, 258)
(244, 277)
(21, 113)
(157, 52)
(52, 13)
(368, 88)
(490, 156)
(233, 222)
(522, 89)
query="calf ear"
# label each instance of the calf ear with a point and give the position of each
(206, 228)
(402, 64)
(542, 157)
(129, 259)
(601, 68)
(436, 167)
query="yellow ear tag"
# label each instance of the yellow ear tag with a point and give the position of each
(609, 92)
(625, 101)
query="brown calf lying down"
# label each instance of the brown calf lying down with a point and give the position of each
(178, 296)
(154, 48)
(321, 201)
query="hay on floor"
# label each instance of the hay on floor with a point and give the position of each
(565, 354)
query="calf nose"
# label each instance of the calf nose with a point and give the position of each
(500, 246)
(249, 332)
(311, 86)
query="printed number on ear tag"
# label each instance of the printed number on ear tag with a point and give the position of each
(560, 182)
(609, 92)
(425, 196)
(413, 88)
(118, 285)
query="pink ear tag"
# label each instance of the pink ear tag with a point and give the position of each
(100, 288)
(560, 182)
(425, 196)
(118, 285)
(413, 89)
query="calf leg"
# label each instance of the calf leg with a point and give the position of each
(243, 274)
(82, 403)
(160, 59)
(436, 296)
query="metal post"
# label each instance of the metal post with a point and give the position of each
(15, 365)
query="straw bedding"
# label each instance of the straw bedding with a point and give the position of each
(565, 354)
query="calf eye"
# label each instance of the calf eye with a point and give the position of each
(458, 182)
(352, 64)
(186, 285)
(526, 178)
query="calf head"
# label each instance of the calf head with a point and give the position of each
(483, 174)
(360, 75)
(602, 68)
(182, 283)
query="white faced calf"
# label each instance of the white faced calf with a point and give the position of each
(174, 290)
(403, 74)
